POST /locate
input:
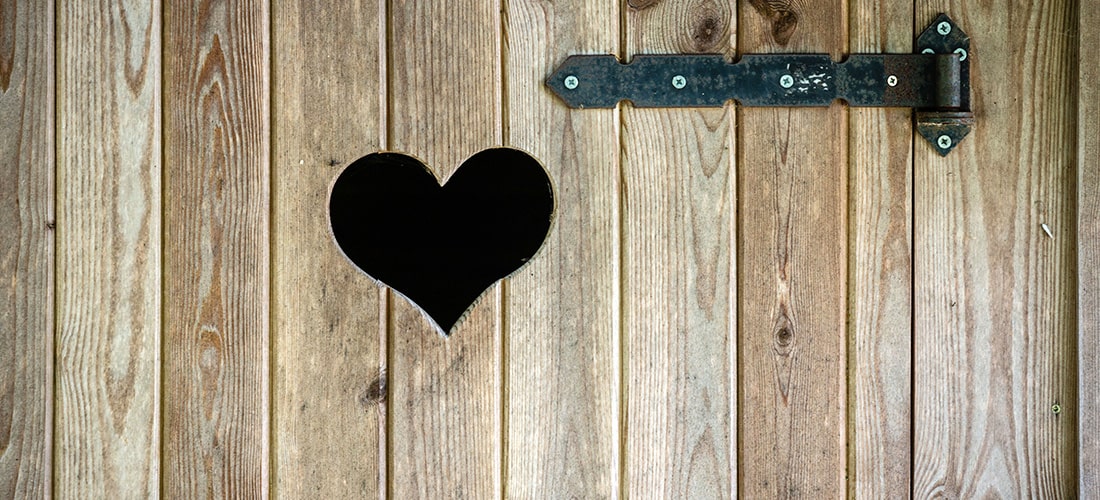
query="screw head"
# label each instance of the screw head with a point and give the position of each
(944, 28)
(571, 82)
(679, 81)
(892, 80)
(927, 51)
(786, 81)
(944, 142)
(962, 53)
(1056, 408)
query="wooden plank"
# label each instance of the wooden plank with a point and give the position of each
(1088, 249)
(329, 376)
(26, 247)
(444, 434)
(562, 322)
(880, 269)
(217, 249)
(109, 250)
(678, 269)
(994, 343)
(793, 258)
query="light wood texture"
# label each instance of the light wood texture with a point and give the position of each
(217, 249)
(562, 322)
(793, 257)
(880, 270)
(329, 380)
(994, 343)
(678, 269)
(444, 433)
(26, 247)
(1088, 250)
(109, 250)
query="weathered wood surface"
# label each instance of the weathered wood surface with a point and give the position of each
(444, 434)
(1088, 250)
(217, 208)
(27, 145)
(679, 309)
(109, 250)
(328, 318)
(792, 192)
(880, 271)
(562, 389)
(994, 342)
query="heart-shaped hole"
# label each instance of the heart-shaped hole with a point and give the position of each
(442, 246)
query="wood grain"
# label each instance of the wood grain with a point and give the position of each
(329, 376)
(561, 329)
(26, 247)
(1088, 250)
(880, 270)
(444, 433)
(792, 260)
(994, 343)
(217, 249)
(678, 234)
(109, 250)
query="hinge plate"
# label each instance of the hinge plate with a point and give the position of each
(935, 81)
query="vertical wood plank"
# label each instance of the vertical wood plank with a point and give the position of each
(444, 432)
(994, 343)
(109, 250)
(793, 257)
(1088, 248)
(880, 269)
(217, 249)
(329, 378)
(26, 247)
(562, 321)
(678, 270)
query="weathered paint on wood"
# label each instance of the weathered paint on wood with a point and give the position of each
(217, 255)
(27, 143)
(329, 319)
(678, 231)
(793, 256)
(994, 343)
(444, 432)
(1088, 250)
(562, 389)
(109, 250)
(880, 271)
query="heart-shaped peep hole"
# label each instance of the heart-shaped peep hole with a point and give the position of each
(442, 246)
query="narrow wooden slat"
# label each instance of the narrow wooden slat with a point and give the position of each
(109, 250)
(678, 270)
(444, 431)
(793, 166)
(217, 249)
(329, 378)
(563, 309)
(880, 269)
(1088, 248)
(26, 247)
(994, 344)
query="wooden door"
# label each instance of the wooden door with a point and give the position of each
(732, 302)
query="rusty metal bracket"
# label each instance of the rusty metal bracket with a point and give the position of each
(935, 81)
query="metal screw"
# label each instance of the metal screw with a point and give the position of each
(962, 53)
(571, 82)
(892, 81)
(944, 28)
(944, 142)
(679, 81)
(927, 51)
(786, 81)
(1056, 408)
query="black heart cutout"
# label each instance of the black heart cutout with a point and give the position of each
(442, 246)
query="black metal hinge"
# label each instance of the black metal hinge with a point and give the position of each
(935, 81)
